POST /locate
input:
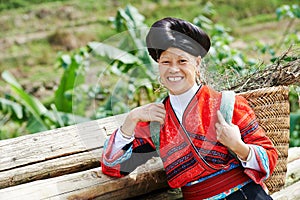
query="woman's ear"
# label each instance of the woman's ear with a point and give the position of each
(198, 61)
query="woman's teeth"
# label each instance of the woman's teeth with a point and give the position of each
(174, 78)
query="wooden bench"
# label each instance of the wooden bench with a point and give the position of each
(64, 164)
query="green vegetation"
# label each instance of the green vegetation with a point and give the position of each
(91, 80)
(12, 4)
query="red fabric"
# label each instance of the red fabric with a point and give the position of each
(216, 185)
(115, 170)
(179, 160)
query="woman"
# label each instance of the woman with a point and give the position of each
(205, 156)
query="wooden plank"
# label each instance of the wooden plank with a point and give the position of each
(92, 184)
(293, 172)
(292, 183)
(294, 154)
(291, 192)
(50, 168)
(37, 156)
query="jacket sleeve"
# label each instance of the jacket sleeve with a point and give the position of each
(252, 134)
(131, 155)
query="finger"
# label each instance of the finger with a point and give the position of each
(161, 119)
(158, 119)
(218, 134)
(160, 106)
(218, 126)
(221, 118)
(158, 112)
(161, 111)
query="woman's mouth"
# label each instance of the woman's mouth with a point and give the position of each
(175, 78)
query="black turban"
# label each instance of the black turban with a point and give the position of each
(178, 33)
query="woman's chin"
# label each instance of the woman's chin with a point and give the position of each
(175, 91)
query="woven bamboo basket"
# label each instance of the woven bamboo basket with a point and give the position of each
(271, 106)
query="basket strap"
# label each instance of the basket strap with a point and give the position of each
(155, 134)
(227, 105)
(226, 108)
(155, 131)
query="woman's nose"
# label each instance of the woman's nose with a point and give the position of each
(173, 68)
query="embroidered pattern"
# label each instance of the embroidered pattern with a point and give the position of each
(264, 160)
(251, 128)
(232, 166)
(180, 165)
(121, 159)
(173, 150)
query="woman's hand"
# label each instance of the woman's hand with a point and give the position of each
(146, 113)
(229, 136)
(150, 112)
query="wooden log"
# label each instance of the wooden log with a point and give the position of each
(50, 168)
(293, 172)
(294, 154)
(292, 183)
(92, 184)
(55, 152)
(291, 192)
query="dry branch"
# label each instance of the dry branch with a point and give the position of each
(284, 71)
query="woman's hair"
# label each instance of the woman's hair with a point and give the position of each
(178, 33)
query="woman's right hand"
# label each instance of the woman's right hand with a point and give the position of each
(150, 112)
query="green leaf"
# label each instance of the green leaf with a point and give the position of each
(8, 106)
(8, 77)
(66, 60)
(72, 77)
(113, 53)
(294, 120)
(57, 116)
(34, 126)
(34, 106)
(288, 11)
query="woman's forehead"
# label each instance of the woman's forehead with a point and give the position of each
(172, 51)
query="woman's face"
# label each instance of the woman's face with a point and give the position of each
(177, 70)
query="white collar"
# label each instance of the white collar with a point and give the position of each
(180, 102)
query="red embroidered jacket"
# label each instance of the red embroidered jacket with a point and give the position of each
(180, 159)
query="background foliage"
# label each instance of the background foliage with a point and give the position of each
(86, 91)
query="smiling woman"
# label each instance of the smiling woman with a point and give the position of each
(203, 153)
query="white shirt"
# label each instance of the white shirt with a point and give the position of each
(181, 101)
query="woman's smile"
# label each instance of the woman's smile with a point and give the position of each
(175, 78)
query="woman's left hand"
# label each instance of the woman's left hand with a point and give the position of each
(230, 136)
